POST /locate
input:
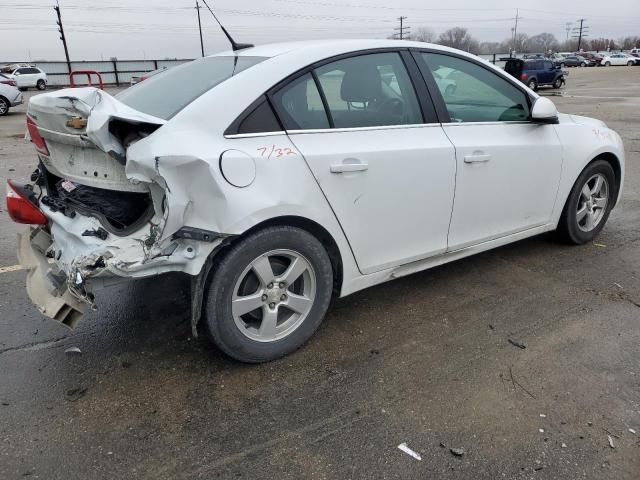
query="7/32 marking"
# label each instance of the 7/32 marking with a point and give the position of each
(275, 151)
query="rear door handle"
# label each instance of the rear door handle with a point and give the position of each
(349, 167)
(477, 158)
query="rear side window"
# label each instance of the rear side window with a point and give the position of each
(300, 106)
(165, 95)
(260, 119)
(368, 91)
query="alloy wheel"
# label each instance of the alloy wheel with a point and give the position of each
(273, 295)
(4, 107)
(592, 203)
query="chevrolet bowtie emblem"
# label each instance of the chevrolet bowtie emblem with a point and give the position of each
(77, 122)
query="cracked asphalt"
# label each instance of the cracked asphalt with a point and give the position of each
(424, 360)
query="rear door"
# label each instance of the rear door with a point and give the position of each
(508, 169)
(375, 148)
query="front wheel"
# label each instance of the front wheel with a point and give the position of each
(558, 83)
(629, 63)
(269, 294)
(589, 203)
(41, 85)
(607, 64)
(533, 84)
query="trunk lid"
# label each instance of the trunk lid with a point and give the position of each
(87, 132)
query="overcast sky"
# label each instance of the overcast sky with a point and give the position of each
(138, 29)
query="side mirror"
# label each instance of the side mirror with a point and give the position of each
(544, 111)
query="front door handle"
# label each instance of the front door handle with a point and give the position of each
(349, 167)
(477, 158)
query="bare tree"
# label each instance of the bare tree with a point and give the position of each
(492, 47)
(543, 43)
(423, 34)
(627, 43)
(459, 38)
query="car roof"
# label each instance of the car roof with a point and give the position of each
(321, 49)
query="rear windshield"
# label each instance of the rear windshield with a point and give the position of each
(167, 93)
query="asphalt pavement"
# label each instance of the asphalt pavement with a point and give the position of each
(433, 360)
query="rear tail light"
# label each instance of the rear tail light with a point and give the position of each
(524, 76)
(21, 205)
(9, 82)
(37, 140)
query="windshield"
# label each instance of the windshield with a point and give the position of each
(165, 95)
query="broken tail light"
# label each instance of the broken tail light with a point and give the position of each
(21, 205)
(524, 76)
(37, 140)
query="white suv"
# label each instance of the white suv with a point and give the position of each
(27, 77)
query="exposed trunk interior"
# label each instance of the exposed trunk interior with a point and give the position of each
(119, 212)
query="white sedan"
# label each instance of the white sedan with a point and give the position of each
(618, 59)
(283, 175)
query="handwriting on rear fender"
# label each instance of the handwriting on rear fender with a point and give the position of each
(275, 151)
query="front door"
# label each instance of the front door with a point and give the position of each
(508, 169)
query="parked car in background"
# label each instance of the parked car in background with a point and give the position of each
(595, 58)
(635, 52)
(619, 59)
(536, 73)
(10, 96)
(576, 61)
(137, 79)
(29, 77)
(281, 176)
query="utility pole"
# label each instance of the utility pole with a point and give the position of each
(62, 37)
(402, 30)
(198, 7)
(515, 30)
(580, 32)
(568, 28)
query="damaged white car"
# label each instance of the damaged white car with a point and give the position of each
(284, 175)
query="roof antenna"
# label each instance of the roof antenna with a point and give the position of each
(234, 46)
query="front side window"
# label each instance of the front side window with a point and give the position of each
(368, 91)
(473, 93)
(165, 95)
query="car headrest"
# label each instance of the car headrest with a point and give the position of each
(361, 84)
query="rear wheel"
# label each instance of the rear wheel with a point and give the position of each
(41, 85)
(589, 203)
(630, 63)
(533, 84)
(607, 64)
(583, 64)
(269, 294)
(4, 106)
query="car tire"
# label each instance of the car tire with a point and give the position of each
(583, 217)
(4, 106)
(41, 84)
(583, 64)
(607, 64)
(558, 83)
(273, 252)
(630, 63)
(533, 84)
